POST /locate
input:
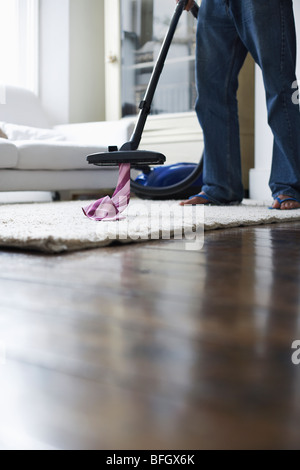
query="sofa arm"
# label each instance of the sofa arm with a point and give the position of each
(8, 154)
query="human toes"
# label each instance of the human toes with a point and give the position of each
(196, 200)
(289, 205)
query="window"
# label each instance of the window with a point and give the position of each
(19, 43)
(144, 25)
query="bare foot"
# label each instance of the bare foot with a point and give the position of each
(288, 205)
(195, 200)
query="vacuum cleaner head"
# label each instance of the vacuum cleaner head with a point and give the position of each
(136, 158)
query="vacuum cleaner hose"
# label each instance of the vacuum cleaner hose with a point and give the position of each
(150, 192)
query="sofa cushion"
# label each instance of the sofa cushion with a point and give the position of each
(23, 107)
(2, 134)
(17, 132)
(55, 155)
(8, 154)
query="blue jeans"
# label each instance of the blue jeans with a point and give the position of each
(227, 31)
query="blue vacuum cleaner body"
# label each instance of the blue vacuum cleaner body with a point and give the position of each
(170, 176)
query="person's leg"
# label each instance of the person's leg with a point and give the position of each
(267, 29)
(219, 57)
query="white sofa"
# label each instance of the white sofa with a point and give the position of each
(38, 157)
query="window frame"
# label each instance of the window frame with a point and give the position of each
(113, 59)
(29, 48)
(26, 54)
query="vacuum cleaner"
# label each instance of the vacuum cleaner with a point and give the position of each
(143, 159)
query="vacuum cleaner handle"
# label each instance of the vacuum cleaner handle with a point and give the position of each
(195, 10)
(145, 105)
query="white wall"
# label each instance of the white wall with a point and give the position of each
(259, 176)
(87, 90)
(71, 60)
(54, 64)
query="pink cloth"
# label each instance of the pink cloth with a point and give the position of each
(111, 208)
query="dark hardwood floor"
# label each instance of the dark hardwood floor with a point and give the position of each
(152, 346)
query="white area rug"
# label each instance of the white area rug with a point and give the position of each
(61, 226)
